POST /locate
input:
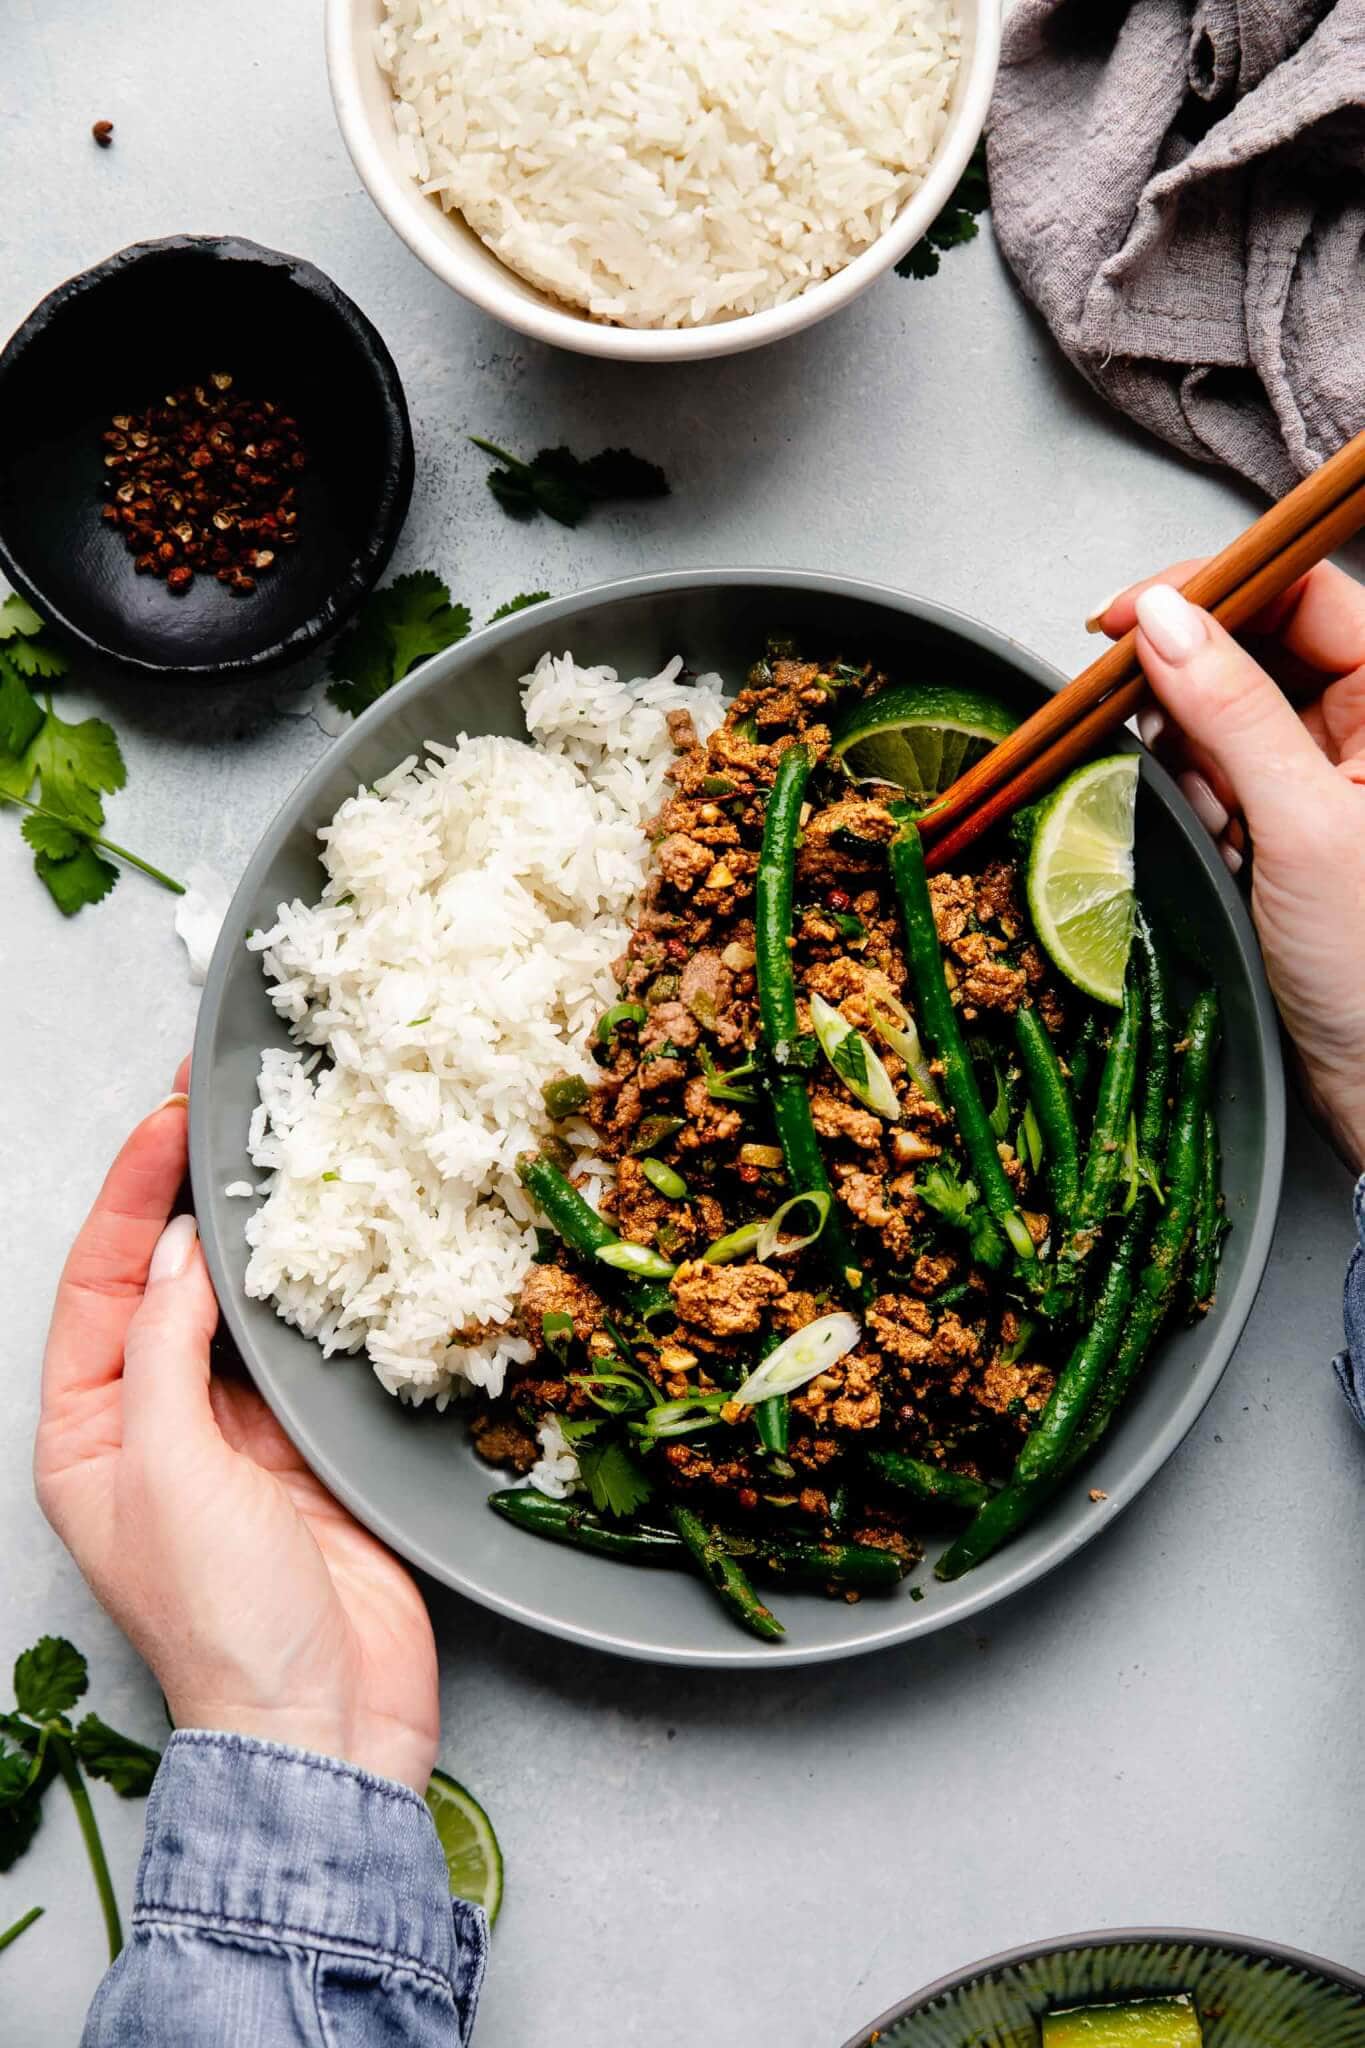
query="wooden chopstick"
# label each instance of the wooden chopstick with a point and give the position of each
(1317, 516)
(1314, 506)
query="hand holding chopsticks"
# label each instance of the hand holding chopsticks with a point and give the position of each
(1318, 516)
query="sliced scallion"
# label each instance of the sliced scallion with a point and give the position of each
(801, 1358)
(853, 1059)
(772, 1244)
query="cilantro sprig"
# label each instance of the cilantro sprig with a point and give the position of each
(397, 629)
(73, 767)
(39, 1742)
(957, 224)
(564, 486)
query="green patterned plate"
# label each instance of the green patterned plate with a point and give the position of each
(1250, 1994)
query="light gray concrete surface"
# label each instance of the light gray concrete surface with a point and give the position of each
(1168, 1729)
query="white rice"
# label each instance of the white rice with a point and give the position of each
(665, 165)
(457, 959)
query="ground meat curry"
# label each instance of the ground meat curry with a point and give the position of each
(655, 1307)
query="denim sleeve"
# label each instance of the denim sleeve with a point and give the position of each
(285, 1899)
(1350, 1363)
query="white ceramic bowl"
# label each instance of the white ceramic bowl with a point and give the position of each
(364, 107)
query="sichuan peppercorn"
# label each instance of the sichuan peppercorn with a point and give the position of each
(204, 479)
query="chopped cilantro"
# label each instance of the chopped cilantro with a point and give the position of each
(615, 1482)
(557, 482)
(956, 224)
(396, 628)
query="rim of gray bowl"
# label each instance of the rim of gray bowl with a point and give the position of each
(1248, 1945)
(915, 1619)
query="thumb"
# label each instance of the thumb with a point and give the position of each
(1230, 710)
(166, 1350)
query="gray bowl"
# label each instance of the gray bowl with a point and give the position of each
(411, 1476)
(1250, 1994)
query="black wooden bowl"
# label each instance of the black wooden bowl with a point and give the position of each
(154, 318)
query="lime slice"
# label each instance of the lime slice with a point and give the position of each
(473, 1857)
(1080, 875)
(1147, 2023)
(921, 736)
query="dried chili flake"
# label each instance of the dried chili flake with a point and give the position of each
(204, 479)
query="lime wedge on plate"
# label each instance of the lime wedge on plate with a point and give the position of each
(1080, 875)
(921, 736)
(473, 1857)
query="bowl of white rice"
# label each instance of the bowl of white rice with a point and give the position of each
(653, 181)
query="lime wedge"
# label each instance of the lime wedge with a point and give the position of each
(1147, 2023)
(1080, 875)
(921, 736)
(473, 1857)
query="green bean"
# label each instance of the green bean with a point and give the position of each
(1063, 1432)
(1173, 1230)
(857, 1567)
(706, 1547)
(928, 1484)
(1050, 1094)
(1084, 1061)
(772, 1418)
(786, 1560)
(1104, 1154)
(580, 1226)
(564, 1096)
(663, 1177)
(939, 1024)
(777, 1011)
(1209, 1226)
(564, 1521)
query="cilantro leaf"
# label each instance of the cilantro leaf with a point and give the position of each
(617, 473)
(397, 628)
(944, 1189)
(956, 225)
(36, 658)
(520, 603)
(14, 1775)
(21, 715)
(83, 877)
(18, 1826)
(52, 836)
(513, 493)
(49, 1678)
(74, 764)
(565, 487)
(18, 617)
(127, 1765)
(613, 1479)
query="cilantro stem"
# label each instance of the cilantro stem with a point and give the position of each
(501, 455)
(94, 839)
(85, 1814)
(25, 1920)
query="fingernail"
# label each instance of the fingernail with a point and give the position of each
(1092, 624)
(173, 1249)
(172, 1102)
(1171, 623)
(1232, 857)
(1151, 725)
(1211, 814)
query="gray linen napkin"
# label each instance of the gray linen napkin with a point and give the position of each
(1179, 186)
